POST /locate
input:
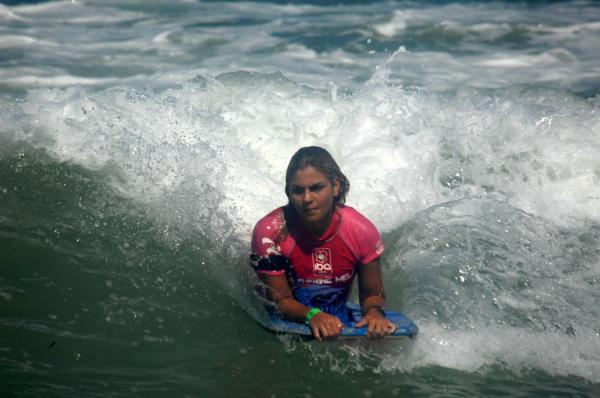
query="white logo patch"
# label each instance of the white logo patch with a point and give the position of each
(322, 261)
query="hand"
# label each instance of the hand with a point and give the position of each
(325, 326)
(378, 325)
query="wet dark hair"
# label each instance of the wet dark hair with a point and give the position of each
(321, 160)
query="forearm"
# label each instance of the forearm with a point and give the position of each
(372, 294)
(292, 309)
(279, 293)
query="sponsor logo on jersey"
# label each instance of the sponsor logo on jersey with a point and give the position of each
(322, 261)
(321, 281)
(343, 278)
(273, 249)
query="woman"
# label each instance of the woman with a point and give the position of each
(308, 252)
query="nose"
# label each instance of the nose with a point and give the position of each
(306, 196)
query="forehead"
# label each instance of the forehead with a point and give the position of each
(308, 176)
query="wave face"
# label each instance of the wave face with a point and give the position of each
(140, 142)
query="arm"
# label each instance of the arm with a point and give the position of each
(372, 300)
(323, 325)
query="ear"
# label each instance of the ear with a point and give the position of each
(335, 183)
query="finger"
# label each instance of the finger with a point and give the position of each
(391, 329)
(334, 326)
(338, 328)
(328, 331)
(334, 329)
(382, 330)
(376, 331)
(316, 333)
(371, 329)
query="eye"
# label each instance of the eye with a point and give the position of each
(316, 187)
(297, 190)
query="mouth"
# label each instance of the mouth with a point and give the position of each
(310, 211)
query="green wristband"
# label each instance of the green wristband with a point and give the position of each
(311, 314)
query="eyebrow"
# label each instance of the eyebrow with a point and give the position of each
(311, 187)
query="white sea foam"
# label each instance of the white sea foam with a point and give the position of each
(402, 150)
(490, 285)
(396, 25)
(477, 350)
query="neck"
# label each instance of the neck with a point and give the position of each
(318, 229)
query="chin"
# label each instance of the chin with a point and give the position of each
(311, 220)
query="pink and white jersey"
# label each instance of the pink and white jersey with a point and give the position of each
(322, 269)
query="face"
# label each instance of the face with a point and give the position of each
(312, 194)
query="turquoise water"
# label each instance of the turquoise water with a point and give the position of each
(140, 141)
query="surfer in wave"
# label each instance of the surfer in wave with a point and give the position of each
(308, 252)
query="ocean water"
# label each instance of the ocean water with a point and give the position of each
(141, 140)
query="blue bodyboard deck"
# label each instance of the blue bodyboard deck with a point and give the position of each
(406, 327)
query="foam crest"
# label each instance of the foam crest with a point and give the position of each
(396, 25)
(402, 150)
(491, 285)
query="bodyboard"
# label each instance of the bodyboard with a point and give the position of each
(406, 327)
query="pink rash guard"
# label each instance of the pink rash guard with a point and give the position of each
(321, 269)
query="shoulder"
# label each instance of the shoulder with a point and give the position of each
(353, 218)
(360, 234)
(266, 238)
(275, 215)
(270, 225)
